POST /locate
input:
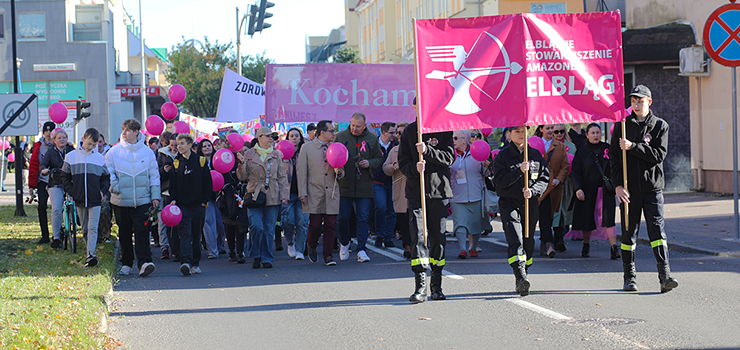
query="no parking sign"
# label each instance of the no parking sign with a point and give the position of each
(721, 35)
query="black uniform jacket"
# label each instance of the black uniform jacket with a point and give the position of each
(509, 178)
(439, 155)
(645, 159)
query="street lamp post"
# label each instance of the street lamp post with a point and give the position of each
(143, 68)
(239, 25)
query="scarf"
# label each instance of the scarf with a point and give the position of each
(49, 144)
(263, 152)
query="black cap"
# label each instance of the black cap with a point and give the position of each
(49, 126)
(641, 91)
(311, 126)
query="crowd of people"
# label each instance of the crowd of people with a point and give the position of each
(267, 197)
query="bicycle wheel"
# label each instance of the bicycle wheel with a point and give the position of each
(64, 232)
(73, 227)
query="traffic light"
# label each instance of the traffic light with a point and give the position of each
(264, 5)
(252, 20)
(82, 112)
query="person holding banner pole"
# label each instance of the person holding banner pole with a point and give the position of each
(641, 150)
(511, 167)
(437, 154)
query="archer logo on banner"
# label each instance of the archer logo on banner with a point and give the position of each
(462, 78)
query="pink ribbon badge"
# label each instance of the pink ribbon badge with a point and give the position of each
(606, 153)
(363, 149)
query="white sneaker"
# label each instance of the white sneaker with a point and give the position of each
(195, 270)
(343, 252)
(299, 256)
(125, 270)
(362, 257)
(291, 251)
(146, 269)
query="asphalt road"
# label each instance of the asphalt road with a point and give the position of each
(575, 303)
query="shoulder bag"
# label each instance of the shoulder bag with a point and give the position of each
(608, 185)
(261, 201)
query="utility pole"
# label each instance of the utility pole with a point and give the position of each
(19, 211)
(143, 67)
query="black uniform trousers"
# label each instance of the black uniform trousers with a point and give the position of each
(651, 204)
(520, 249)
(434, 252)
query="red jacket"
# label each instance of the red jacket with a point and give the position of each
(33, 166)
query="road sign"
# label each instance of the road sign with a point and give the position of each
(27, 123)
(721, 35)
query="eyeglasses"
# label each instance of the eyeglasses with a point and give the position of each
(559, 131)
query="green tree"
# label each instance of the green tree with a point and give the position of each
(200, 71)
(347, 54)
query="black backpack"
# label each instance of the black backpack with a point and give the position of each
(229, 201)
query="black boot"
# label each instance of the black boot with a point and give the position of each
(522, 283)
(630, 277)
(436, 284)
(667, 283)
(232, 256)
(586, 251)
(420, 293)
(615, 252)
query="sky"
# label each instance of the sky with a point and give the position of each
(166, 22)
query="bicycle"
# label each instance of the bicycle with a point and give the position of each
(69, 227)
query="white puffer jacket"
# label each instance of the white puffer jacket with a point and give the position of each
(134, 174)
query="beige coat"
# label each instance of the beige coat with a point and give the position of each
(255, 170)
(400, 203)
(317, 180)
(558, 167)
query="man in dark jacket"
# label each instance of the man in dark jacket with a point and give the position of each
(438, 154)
(356, 187)
(385, 215)
(191, 189)
(509, 168)
(646, 145)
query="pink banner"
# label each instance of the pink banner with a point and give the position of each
(335, 91)
(522, 69)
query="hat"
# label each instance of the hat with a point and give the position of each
(49, 126)
(264, 131)
(311, 126)
(641, 91)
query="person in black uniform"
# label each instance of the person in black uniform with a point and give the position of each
(646, 145)
(508, 169)
(439, 154)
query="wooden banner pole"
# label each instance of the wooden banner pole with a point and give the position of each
(526, 185)
(624, 180)
(418, 132)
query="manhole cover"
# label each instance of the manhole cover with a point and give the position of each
(604, 322)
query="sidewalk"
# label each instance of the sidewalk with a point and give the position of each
(695, 222)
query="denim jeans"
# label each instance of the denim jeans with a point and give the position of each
(362, 211)
(164, 230)
(295, 223)
(262, 232)
(210, 229)
(89, 219)
(56, 194)
(189, 230)
(385, 215)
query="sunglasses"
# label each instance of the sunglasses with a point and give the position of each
(475, 135)
(559, 131)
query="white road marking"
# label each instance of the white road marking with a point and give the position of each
(494, 241)
(399, 256)
(538, 309)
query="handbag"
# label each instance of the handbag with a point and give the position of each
(490, 203)
(261, 200)
(229, 202)
(608, 185)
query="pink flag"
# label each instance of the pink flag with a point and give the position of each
(522, 69)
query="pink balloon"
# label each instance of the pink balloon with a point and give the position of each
(169, 110)
(155, 125)
(486, 131)
(177, 93)
(247, 137)
(11, 157)
(337, 155)
(4, 145)
(494, 153)
(147, 133)
(200, 138)
(480, 150)
(171, 215)
(218, 180)
(236, 142)
(58, 112)
(570, 161)
(181, 127)
(223, 161)
(287, 148)
(537, 143)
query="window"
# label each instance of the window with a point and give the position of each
(31, 25)
(2, 26)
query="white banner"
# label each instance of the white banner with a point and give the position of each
(241, 99)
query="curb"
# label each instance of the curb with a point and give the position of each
(684, 248)
(108, 298)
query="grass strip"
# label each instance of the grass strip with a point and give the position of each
(48, 299)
